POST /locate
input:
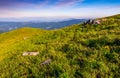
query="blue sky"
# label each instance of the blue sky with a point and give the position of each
(58, 8)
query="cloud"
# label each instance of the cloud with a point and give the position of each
(50, 8)
(14, 4)
(42, 4)
(7, 4)
(68, 2)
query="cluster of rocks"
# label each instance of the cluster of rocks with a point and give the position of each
(90, 22)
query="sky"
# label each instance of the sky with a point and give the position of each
(58, 8)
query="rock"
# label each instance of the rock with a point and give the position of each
(46, 62)
(90, 22)
(30, 53)
(97, 22)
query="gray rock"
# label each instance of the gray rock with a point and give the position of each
(30, 53)
(46, 62)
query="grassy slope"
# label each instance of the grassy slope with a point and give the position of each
(75, 52)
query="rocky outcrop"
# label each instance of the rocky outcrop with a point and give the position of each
(90, 22)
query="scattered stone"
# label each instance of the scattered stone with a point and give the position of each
(30, 53)
(98, 22)
(46, 62)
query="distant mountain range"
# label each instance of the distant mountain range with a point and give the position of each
(7, 26)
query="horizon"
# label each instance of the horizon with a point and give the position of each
(57, 9)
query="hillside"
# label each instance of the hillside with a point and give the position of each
(92, 51)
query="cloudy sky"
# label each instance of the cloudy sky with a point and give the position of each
(58, 8)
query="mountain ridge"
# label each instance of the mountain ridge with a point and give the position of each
(7, 26)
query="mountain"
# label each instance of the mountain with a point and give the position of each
(77, 51)
(36, 19)
(6, 26)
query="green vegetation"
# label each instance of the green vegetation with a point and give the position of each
(76, 52)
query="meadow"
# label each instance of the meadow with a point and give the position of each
(75, 51)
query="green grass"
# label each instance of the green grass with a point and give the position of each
(75, 52)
